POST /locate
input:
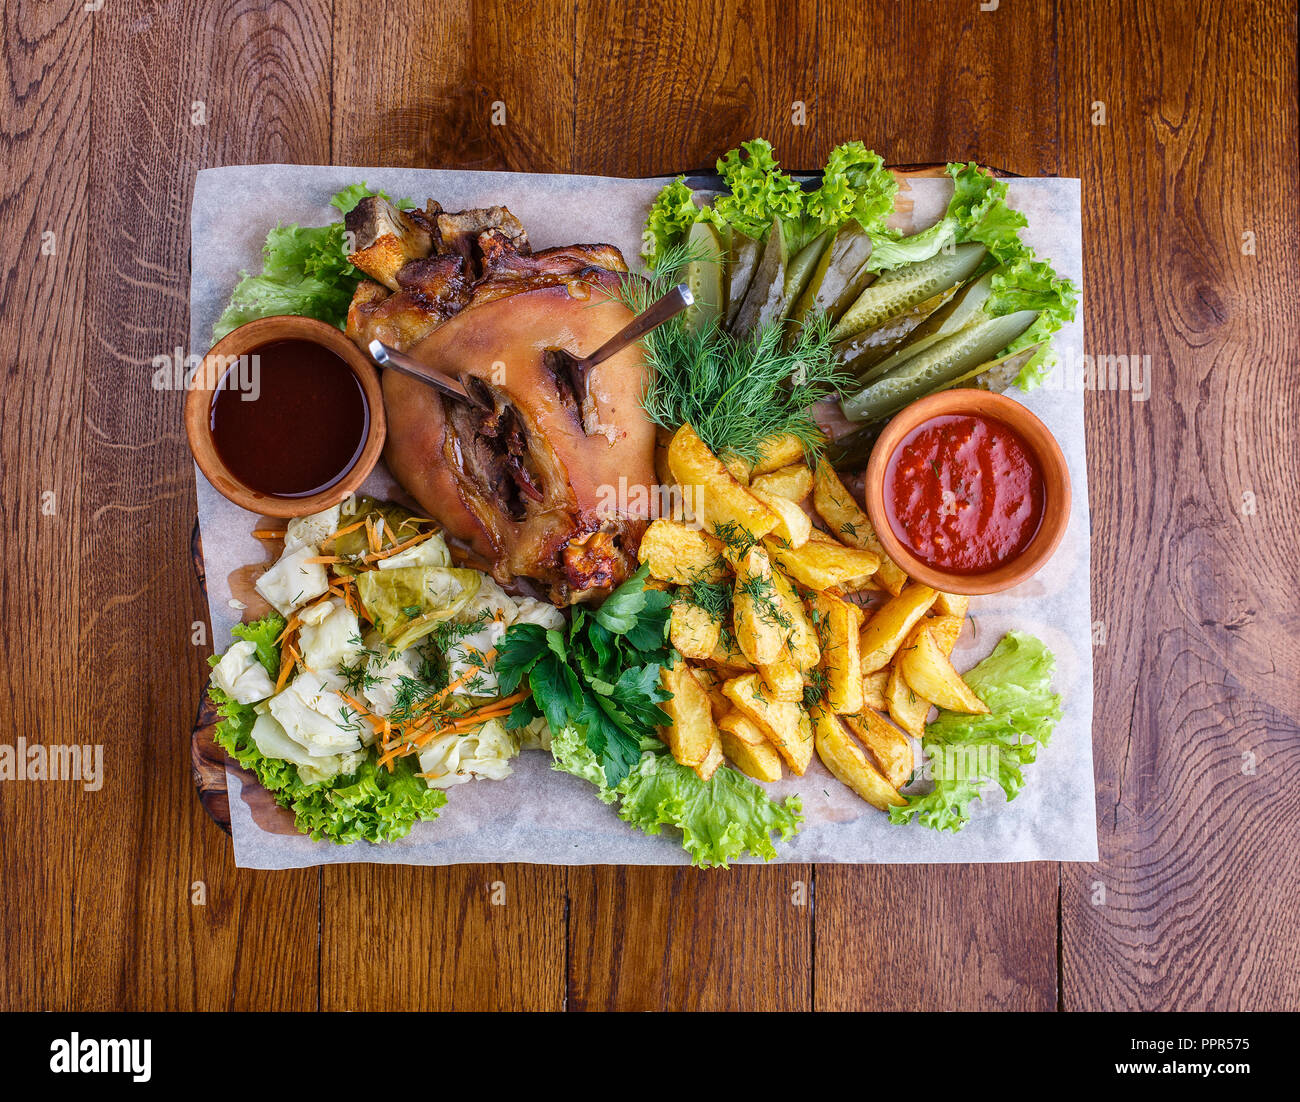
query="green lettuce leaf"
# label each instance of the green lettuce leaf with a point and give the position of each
(1028, 284)
(967, 752)
(759, 193)
(719, 819)
(671, 215)
(305, 271)
(855, 185)
(371, 804)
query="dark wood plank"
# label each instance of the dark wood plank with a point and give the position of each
(425, 94)
(425, 98)
(687, 939)
(44, 134)
(930, 937)
(938, 937)
(941, 81)
(468, 937)
(139, 940)
(669, 86)
(1200, 860)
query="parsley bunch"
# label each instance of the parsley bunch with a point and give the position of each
(600, 676)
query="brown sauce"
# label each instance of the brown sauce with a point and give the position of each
(304, 430)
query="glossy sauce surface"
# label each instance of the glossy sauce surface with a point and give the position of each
(964, 493)
(305, 428)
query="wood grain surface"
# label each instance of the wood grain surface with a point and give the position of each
(128, 896)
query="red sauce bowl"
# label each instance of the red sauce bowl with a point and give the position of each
(1045, 453)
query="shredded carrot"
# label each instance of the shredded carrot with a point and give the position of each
(372, 534)
(323, 559)
(398, 547)
(342, 532)
(437, 697)
(267, 534)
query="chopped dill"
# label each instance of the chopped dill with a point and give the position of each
(735, 392)
(713, 597)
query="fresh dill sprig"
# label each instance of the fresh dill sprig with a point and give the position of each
(713, 597)
(735, 392)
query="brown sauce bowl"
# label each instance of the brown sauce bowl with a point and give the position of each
(248, 339)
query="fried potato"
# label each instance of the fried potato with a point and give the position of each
(890, 624)
(794, 527)
(819, 565)
(680, 554)
(945, 629)
(761, 624)
(717, 499)
(783, 678)
(804, 647)
(711, 682)
(693, 734)
(693, 630)
(951, 604)
(888, 745)
(846, 759)
(712, 760)
(792, 482)
(778, 451)
(745, 745)
(786, 724)
(727, 656)
(845, 518)
(737, 467)
(905, 705)
(931, 674)
(838, 626)
(873, 688)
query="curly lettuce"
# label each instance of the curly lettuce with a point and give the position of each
(725, 817)
(967, 752)
(305, 271)
(371, 804)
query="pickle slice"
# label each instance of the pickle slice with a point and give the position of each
(893, 292)
(742, 259)
(704, 278)
(939, 365)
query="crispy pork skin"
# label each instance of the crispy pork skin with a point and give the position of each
(523, 484)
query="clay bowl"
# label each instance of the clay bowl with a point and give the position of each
(1047, 453)
(244, 340)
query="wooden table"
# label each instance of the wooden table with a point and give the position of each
(127, 897)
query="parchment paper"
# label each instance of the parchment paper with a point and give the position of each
(543, 816)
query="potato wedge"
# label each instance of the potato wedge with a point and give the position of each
(712, 760)
(776, 452)
(838, 626)
(928, 671)
(795, 526)
(945, 629)
(786, 724)
(716, 498)
(847, 761)
(783, 678)
(693, 630)
(819, 565)
(846, 519)
(792, 482)
(748, 748)
(683, 555)
(873, 688)
(761, 623)
(889, 626)
(888, 745)
(693, 734)
(905, 705)
(711, 682)
(737, 467)
(727, 657)
(804, 647)
(951, 604)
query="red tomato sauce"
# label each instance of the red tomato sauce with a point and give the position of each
(964, 493)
